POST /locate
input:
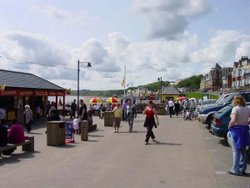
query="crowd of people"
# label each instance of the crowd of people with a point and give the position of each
(184, 108)
(238, 126)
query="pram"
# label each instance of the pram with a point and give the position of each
(187, 114)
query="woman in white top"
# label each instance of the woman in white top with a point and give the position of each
(239, 129)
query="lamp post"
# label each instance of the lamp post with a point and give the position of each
(78, 77)
(160, 80)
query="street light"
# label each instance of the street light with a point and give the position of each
(160, 80)
(78, 77)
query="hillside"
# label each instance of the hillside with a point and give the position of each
(192, 83)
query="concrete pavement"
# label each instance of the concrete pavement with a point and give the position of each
(182, 157)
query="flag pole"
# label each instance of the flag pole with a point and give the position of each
(124, 82)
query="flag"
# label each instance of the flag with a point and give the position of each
(124, 78)
(123, 82)
(2, 87)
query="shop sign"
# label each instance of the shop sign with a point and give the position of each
(27, 92)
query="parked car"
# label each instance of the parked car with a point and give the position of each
(221, 119)
(203, 104)
(206, 114)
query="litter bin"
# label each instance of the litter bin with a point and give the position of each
(55, 133)
(84, 130)
(108, 118)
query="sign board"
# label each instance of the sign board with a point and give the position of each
(68, 130)
(29, 92)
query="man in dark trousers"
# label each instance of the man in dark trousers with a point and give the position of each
(82, 114)
(73, 109)
(3, 134)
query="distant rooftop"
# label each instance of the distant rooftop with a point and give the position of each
(171, 90)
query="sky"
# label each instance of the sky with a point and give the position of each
(168, 39)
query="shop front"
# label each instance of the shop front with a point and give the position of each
(13, 101)
(18, 89)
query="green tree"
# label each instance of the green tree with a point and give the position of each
(192, 82)
(156, 85)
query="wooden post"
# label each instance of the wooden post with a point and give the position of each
(84, 130)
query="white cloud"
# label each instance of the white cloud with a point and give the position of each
(145, 61)
(168, 19)
(34, 49)
(58, 14)
(224, 46)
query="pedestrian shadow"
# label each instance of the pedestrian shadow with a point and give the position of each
(165, 143)
(34, 133)
(132, 132)
(66, 146)
(92, 141)
(91, 135)
(97, 130)
(140, 131)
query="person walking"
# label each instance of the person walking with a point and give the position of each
(83, 113)
(239, 130)
(28, 117)
(186, 106)
(166, 108)
(151, 115)
(171, 107)
(177, 107)
(117, 117)
(124, 107)
(130, 114)
(3, 133)
(73, 109)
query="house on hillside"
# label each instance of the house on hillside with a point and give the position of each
(170, 92)
(241, 73)
(213, 79)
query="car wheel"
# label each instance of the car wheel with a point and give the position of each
(209, 122)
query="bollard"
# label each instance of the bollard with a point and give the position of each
(84, 130)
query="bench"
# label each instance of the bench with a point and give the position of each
(27, 145)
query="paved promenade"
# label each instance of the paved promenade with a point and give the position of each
(183, 157)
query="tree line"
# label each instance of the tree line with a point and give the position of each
(192, 83)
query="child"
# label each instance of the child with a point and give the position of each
(76, 122)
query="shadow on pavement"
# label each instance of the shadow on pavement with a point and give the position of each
(140, 132)
(165, 143)
(95, 135)
(66, 146)
(92, 141)
(34, 133)
(223, 142)
(16, 157)
(132, 132)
